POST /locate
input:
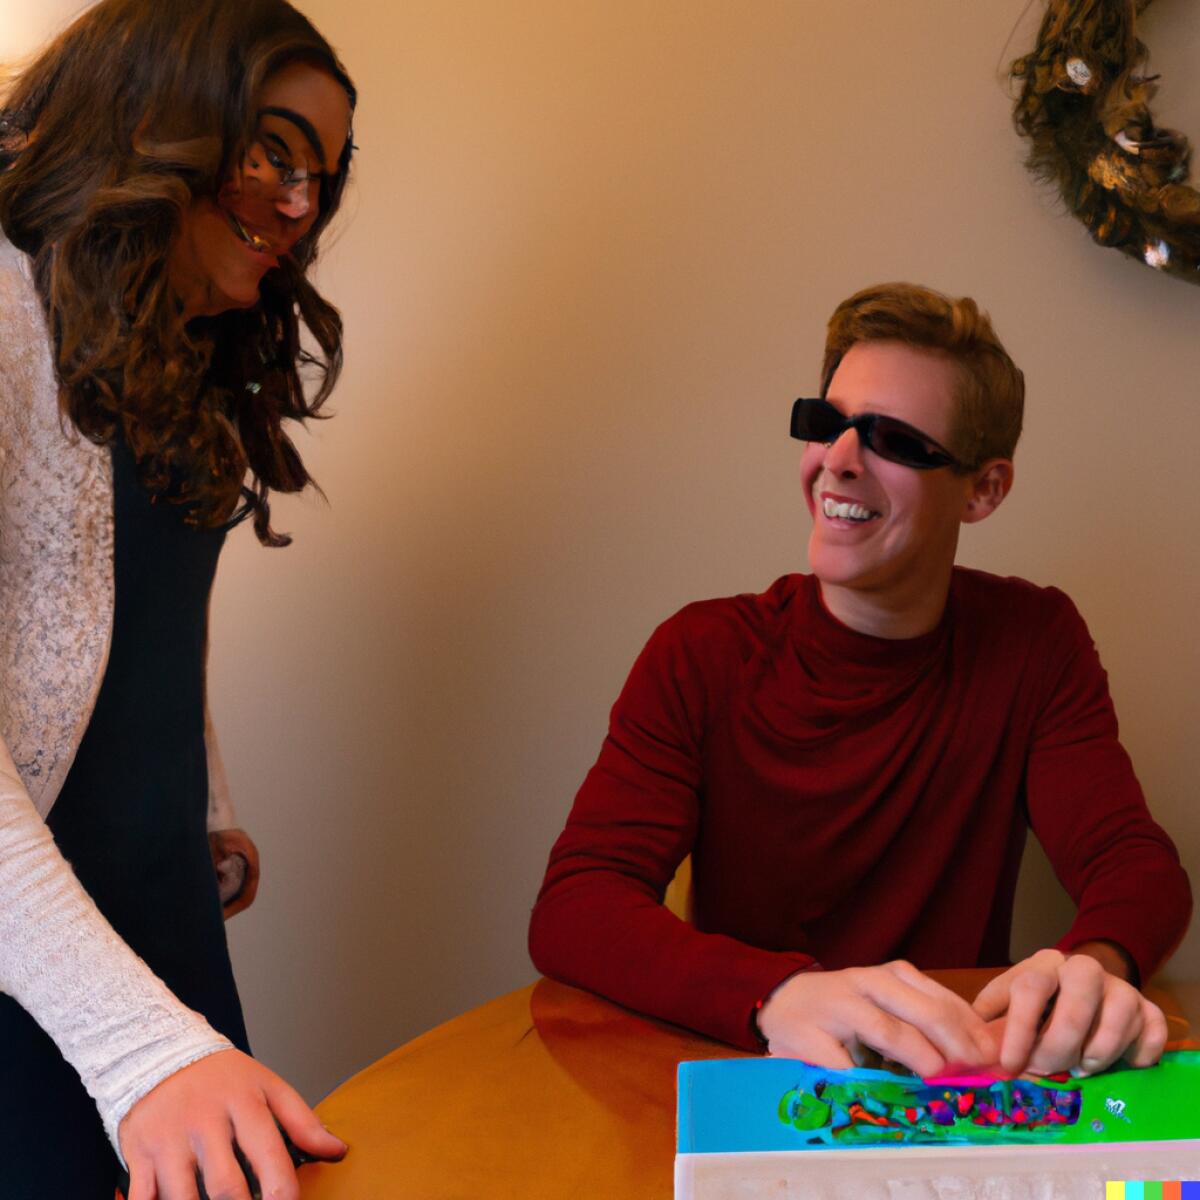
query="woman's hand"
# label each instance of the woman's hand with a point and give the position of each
(829, 1017)
(235, 858)
(189, 1122)
(1070, 1014)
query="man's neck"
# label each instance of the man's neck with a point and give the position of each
(886, 615)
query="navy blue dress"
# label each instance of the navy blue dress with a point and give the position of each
(131, 819)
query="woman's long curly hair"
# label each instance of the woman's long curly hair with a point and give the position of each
(137, 109)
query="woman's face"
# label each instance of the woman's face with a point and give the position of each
(227, 244)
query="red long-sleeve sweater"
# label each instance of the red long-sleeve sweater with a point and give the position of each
(848, 800)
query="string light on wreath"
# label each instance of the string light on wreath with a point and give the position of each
(1084, 105)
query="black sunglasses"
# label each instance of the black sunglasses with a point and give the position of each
(819, 421)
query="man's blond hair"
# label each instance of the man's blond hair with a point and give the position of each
(991, 391)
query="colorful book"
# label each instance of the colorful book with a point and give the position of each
(731, 1105)
(773, 1119)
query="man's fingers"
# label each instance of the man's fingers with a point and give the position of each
(896, 1039)
(1117, 1027)
(1083, 994)
(1091, 1018)
(1148, 1047)
(816, 1047)
(992, 1001)
(919, 981)
(946, 1022)
(860, 1022)
(1028, 995)
(970, 1022)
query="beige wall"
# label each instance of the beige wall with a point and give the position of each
(588, 259)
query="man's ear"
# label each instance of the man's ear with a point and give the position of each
(989, 485)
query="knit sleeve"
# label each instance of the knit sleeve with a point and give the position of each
(599, 921)
(1087, 809)
(115, 1022)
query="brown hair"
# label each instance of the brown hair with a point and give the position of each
(991, 391)
(139, 107)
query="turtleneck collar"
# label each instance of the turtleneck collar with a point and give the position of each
(817, 628)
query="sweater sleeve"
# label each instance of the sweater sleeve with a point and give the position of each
(115, 1022)
(599, 921)
(1087, 809)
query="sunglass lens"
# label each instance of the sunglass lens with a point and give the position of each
(816, 421)
(895, 441)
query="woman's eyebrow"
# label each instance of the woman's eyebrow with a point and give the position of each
(269, 135)
(304, 125)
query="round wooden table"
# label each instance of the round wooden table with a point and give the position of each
(546, 1092)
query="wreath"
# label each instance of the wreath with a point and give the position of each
(1084, 105)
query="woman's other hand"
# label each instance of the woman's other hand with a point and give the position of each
(235, 860)
(189, 1122)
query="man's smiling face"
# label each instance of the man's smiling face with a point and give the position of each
(882, 530)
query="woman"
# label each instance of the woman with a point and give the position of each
(166, 170)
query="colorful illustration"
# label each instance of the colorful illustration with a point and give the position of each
(842, 1109)
(749, 1104)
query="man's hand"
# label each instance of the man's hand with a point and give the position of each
(190, 1121)
(235, 860)
(1094, 1017)
(829, 1017)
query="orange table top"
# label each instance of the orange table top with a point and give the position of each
(546, 1092)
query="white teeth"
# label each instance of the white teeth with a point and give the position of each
(844, 511)
(253, 240)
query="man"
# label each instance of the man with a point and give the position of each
(853, 759)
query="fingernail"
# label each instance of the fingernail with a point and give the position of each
(1080, 1072)
(1091, 1065)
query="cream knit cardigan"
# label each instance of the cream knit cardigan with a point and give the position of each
(112, 1018)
